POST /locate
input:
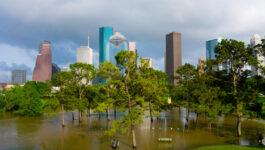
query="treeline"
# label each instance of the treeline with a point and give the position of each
(135, 88)
(127, 87)
(224, 85)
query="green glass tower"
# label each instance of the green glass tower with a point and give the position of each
(104, 35)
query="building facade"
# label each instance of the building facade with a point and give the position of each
(55, 69)
(41, 42)
(18, 76)
(104, 35)
(117, 42)
(132, 46)
(200, 65)
(173, 56)
(149, 61)
(210, 45)
(65, 69)
(255, 40)
(84, 54)
(43, 67)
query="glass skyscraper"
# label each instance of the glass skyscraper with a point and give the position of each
(210, 45)
(104, 35)
(116, 43)
(18, 76)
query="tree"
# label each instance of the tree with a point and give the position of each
(185, 77)
(154, 89)
(83, 76)
(63, 81)
(234, 55)
(111, 75)
(130, 89)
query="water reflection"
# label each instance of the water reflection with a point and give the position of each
(47, 133)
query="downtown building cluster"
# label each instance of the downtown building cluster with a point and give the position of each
(110, 43)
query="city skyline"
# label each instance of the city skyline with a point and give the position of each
(68, 30)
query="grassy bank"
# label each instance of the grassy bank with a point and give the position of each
(229, 147)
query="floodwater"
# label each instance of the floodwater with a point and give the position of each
(46, 132)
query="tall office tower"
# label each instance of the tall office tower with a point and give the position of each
(132, 46)
(200, 65)
(117, 42)
(255, 40)
(104, 35)
(210, 45)
(84, 54)
(173, 55)
(210, 54)
(55, 69)
(41, 42)
(149, 61)
(43, 67)
(18, 76)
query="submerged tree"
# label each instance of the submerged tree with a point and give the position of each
(63, 81)
(83, 76)
(111, 76)
(133, 101)
(234, 56)
(185, 78)
(154, 89)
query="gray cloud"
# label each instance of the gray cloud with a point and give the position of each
(66, 24)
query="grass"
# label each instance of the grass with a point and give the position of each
(230, 147)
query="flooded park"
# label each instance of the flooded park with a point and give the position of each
(45, 132)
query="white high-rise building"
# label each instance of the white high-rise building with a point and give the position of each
(255, 40)
(84, 54)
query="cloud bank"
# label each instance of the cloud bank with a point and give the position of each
(66, 23)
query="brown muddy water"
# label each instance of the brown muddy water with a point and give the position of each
(41, 133)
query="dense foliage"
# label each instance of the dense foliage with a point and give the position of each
(135, 88)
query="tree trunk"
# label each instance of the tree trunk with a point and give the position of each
(197, 116)
(187, 113)
(150, 111)
(133, 136)
(88, 112)
(73, 116)
(80, 116)
(179, 111)
(62, 115)
(238, 125)
(210, 125)
(108, 110)
(115, 112)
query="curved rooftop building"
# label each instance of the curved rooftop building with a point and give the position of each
(117, 42)
(43, 67)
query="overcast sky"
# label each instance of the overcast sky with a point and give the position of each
(66, 23)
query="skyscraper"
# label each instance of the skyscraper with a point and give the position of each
(132, 46)
(84, 54)
(18, 76)
(255, 40)
(210, 45)
(149, 61)
(173, 55)
(55, 69)
(104, 35)
(200, 65)
(43, 67)
(41, 42)
(117, 42)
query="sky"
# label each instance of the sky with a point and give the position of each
(67, 23)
